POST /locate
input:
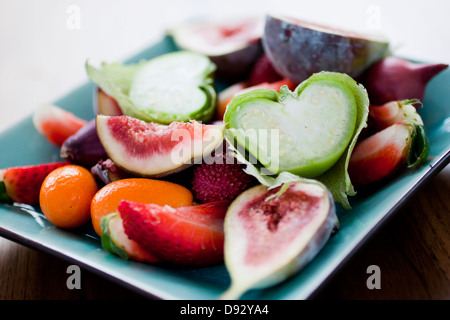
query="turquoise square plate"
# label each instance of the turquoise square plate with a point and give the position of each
(22, 145)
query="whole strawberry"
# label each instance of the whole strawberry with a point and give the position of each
(22, 184)
(221, 178)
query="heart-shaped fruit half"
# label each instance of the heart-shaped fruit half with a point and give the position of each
(304, 132)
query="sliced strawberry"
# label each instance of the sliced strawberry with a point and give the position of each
(190, 236)
(381, 117)
(115, 241)
(263, 71)
(380, 155)
(56, 124)
(23, 184)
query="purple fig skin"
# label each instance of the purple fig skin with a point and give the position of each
(84, 147)
(299, 49)
(269, 237)
(393, 79)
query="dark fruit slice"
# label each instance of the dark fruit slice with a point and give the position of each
(190, 236)
(23, 184)
(56, 124)
(393, 79)
(155, 150)
(232, 44)
(115, 241)
(382, 154)
(105, 104)
(84, 147)
(299, 49)
(272, 234)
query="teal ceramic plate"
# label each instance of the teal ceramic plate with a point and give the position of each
(22, 145)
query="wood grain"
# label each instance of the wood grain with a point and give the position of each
(412, 250)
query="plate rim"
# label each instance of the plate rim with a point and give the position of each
(440, 162)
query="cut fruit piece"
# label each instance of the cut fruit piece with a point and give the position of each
(190, 236)
(115, 240)
(335, 178)
(382, 154)
(105, 104)
(381, 117)
(232, 44)
(176, 86)
(299, 49)
(155, 150)
(304, 132)
(271, 234)
(56, 124)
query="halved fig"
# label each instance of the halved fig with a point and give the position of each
(155, 150)
(299, 49)
(232, 44)
(272, 234)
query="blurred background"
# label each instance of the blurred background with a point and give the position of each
(44, 44)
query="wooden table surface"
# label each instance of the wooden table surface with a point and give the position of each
(412, 250)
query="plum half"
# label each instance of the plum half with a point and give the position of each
(298, 48)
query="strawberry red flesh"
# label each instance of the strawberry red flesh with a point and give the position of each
(381, 154)
(383, 116)
(23, 184)
(56, 124)
(191, 236)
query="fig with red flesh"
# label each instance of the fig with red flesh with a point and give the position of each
(394, 78)
(232, 44)
(299, 49)
(156, 150)
(272, 234)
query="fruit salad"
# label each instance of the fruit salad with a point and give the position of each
(172, 171)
